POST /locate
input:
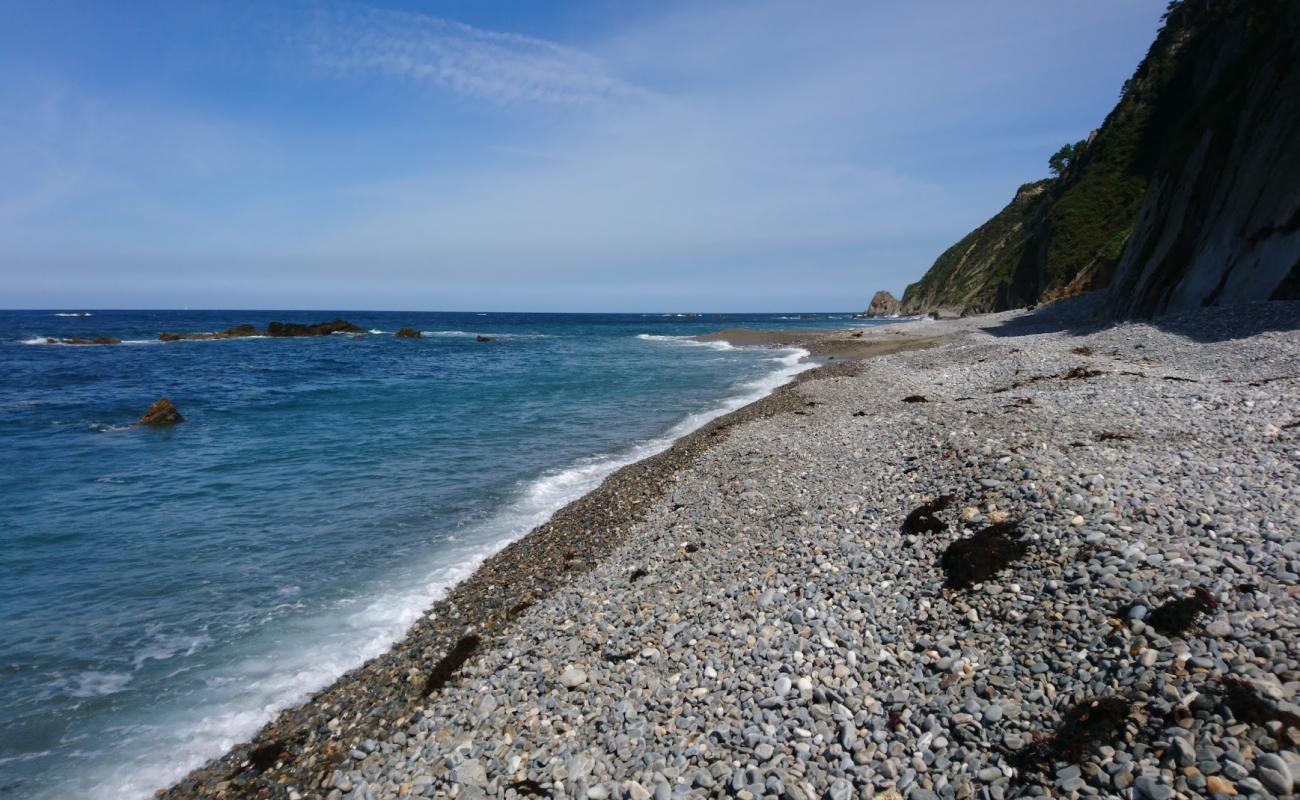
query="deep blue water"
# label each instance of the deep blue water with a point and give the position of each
(165, 591)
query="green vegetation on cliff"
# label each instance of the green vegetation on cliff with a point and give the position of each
(968, 275)
(1065, 235)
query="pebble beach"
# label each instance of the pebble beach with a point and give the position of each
(1024, 554)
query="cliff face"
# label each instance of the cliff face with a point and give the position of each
(969, 275)
(1221, 219)
(1185, 195)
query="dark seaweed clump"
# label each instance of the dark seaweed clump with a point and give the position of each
(922, 519)
(979, 557)
(1081, 373)
(1082, 350)
(1177, 616)
(1247, 705)
(1093, 722)
(915, 398)
(530, 787)
(264, 757)
(448, 664)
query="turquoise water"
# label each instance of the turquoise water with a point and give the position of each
(166, 591)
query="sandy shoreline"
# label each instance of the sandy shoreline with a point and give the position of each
(301, 748)
(741, 615)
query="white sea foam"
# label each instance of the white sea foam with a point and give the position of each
(73, 314)
(461, 334)
(93, 683)
(52, 340)
(274, 675)
(688, 340)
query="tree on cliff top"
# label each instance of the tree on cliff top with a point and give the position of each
(1062, 159)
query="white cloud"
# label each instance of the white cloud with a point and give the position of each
(502, 67)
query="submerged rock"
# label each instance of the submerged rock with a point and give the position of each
(408, 333)
(162, 412)
(485, 338)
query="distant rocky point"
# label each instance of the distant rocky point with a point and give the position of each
(408, 333)
(883, 304)
(162, 413)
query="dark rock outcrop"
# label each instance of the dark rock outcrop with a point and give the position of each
(239, 331)
(883, 304)
(407, 333)
(485, 338)
(281, 329)
(82, 340)
(277, 329)
(160, 414)
(1184, 197)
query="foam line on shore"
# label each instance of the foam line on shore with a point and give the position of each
(686, 340)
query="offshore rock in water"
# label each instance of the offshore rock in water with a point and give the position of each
(408, 333)
(230, 333)
(162, 412)
(315, 329)
(485, 338)
(81, 340)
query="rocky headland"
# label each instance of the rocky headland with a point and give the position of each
(1184, 197)
(1071, 570)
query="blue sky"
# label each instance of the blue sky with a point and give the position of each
(584, 156)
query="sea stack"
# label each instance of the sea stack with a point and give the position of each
(162, 413)
(883, 304)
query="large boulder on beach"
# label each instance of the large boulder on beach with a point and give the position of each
(408, 333)
(162, 413)
(315, 329)
(883, 304)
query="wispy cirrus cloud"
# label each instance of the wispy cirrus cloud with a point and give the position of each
(506, 68)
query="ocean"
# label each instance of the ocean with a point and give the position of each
(166, 591)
